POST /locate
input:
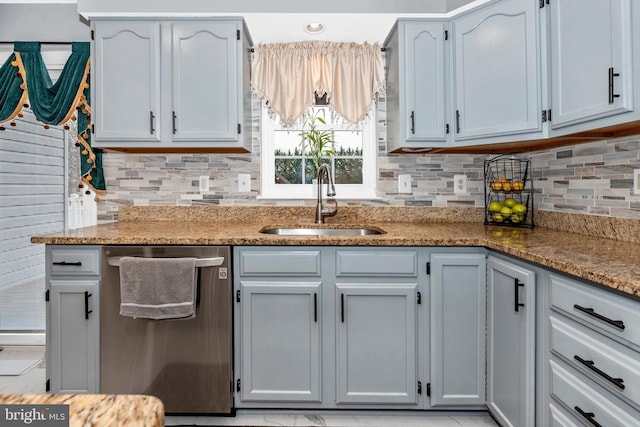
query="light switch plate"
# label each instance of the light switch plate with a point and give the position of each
(244, 182)
(404, 184)
(204, 183)
(636, 181)
(460, 184)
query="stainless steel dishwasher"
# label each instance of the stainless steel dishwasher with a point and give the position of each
(185, 363)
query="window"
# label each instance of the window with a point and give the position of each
(288, 174)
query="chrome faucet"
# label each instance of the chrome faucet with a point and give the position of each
(321, 212)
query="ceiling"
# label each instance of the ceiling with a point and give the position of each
(274, 21)
(285, 20)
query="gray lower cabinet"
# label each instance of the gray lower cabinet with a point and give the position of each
(327, 327)
(376, 343)
(73, 283)
(281, 346)
(593, 360)
(458, 320)
(511, 343)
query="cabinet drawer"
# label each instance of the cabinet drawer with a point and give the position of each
(611, 364)
(586, 404)
(377, 263)
(558, 418)
(615, 314)
(74, 261)
(280, 263)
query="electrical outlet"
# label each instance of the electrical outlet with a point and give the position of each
(404, 184)
(460, 184)
(204, 183)
(636, 181)
(244, 182)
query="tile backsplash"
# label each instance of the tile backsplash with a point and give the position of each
(594, 178)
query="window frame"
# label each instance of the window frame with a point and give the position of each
(270, 190)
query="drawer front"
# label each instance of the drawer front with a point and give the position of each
(74, 261)
(613, 313)
(377, 263)
(611, 364)
(586, 404)
(559, 419)
(280, 263)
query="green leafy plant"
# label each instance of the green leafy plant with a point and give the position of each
(317, 143)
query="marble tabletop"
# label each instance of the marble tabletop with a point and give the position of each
(606, 261)
(125, 410)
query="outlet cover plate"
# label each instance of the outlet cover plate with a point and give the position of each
(244, 182)
(636, 181)
(204, 183)
(460, 184)
(404, 184)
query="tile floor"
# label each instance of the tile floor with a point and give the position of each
(339, 419)
(33, 381)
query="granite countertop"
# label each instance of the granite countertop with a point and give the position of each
(606, 261)
(99, 409)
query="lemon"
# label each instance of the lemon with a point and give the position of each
(497, 217)
(506, 211)
(510, 202)
(494, 206)
(517, 217)
(519, 208)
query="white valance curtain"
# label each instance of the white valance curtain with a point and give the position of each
(287, 76)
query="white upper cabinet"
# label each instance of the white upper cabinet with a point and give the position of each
(205, 81)
(171, 84)
(591, 60)
(496, 82)
(126, 76)
(416, 84)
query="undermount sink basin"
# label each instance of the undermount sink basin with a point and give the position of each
(317, 231)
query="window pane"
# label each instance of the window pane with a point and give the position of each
(311, 172)
(348, 171)
(348, 143)
(288, 171)
(287, 143)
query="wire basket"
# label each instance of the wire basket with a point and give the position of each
(508, 190)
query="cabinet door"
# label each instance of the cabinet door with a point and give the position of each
(280, 339)
(424, 81)
(73, 336)
(206, 101)
(497, 89)
(458, 317)
(126, 75)
(376, 343)
(587, 40)
(511, 346)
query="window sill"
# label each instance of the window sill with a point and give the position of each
(338, 197)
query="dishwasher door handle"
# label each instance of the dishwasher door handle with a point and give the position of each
(200, 262)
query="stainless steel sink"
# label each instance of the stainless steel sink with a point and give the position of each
(311, 231)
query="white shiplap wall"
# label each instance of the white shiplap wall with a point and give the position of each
(32, 196)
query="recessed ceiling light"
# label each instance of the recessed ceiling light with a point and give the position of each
(314, 28)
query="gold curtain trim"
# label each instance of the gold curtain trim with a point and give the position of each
(92, 156)
(79, 94)
(23, 98)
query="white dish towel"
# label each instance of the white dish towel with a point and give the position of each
(158, 288)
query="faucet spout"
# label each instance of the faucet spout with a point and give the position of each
(321, 211)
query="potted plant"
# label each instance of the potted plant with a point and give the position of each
(316, 143)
